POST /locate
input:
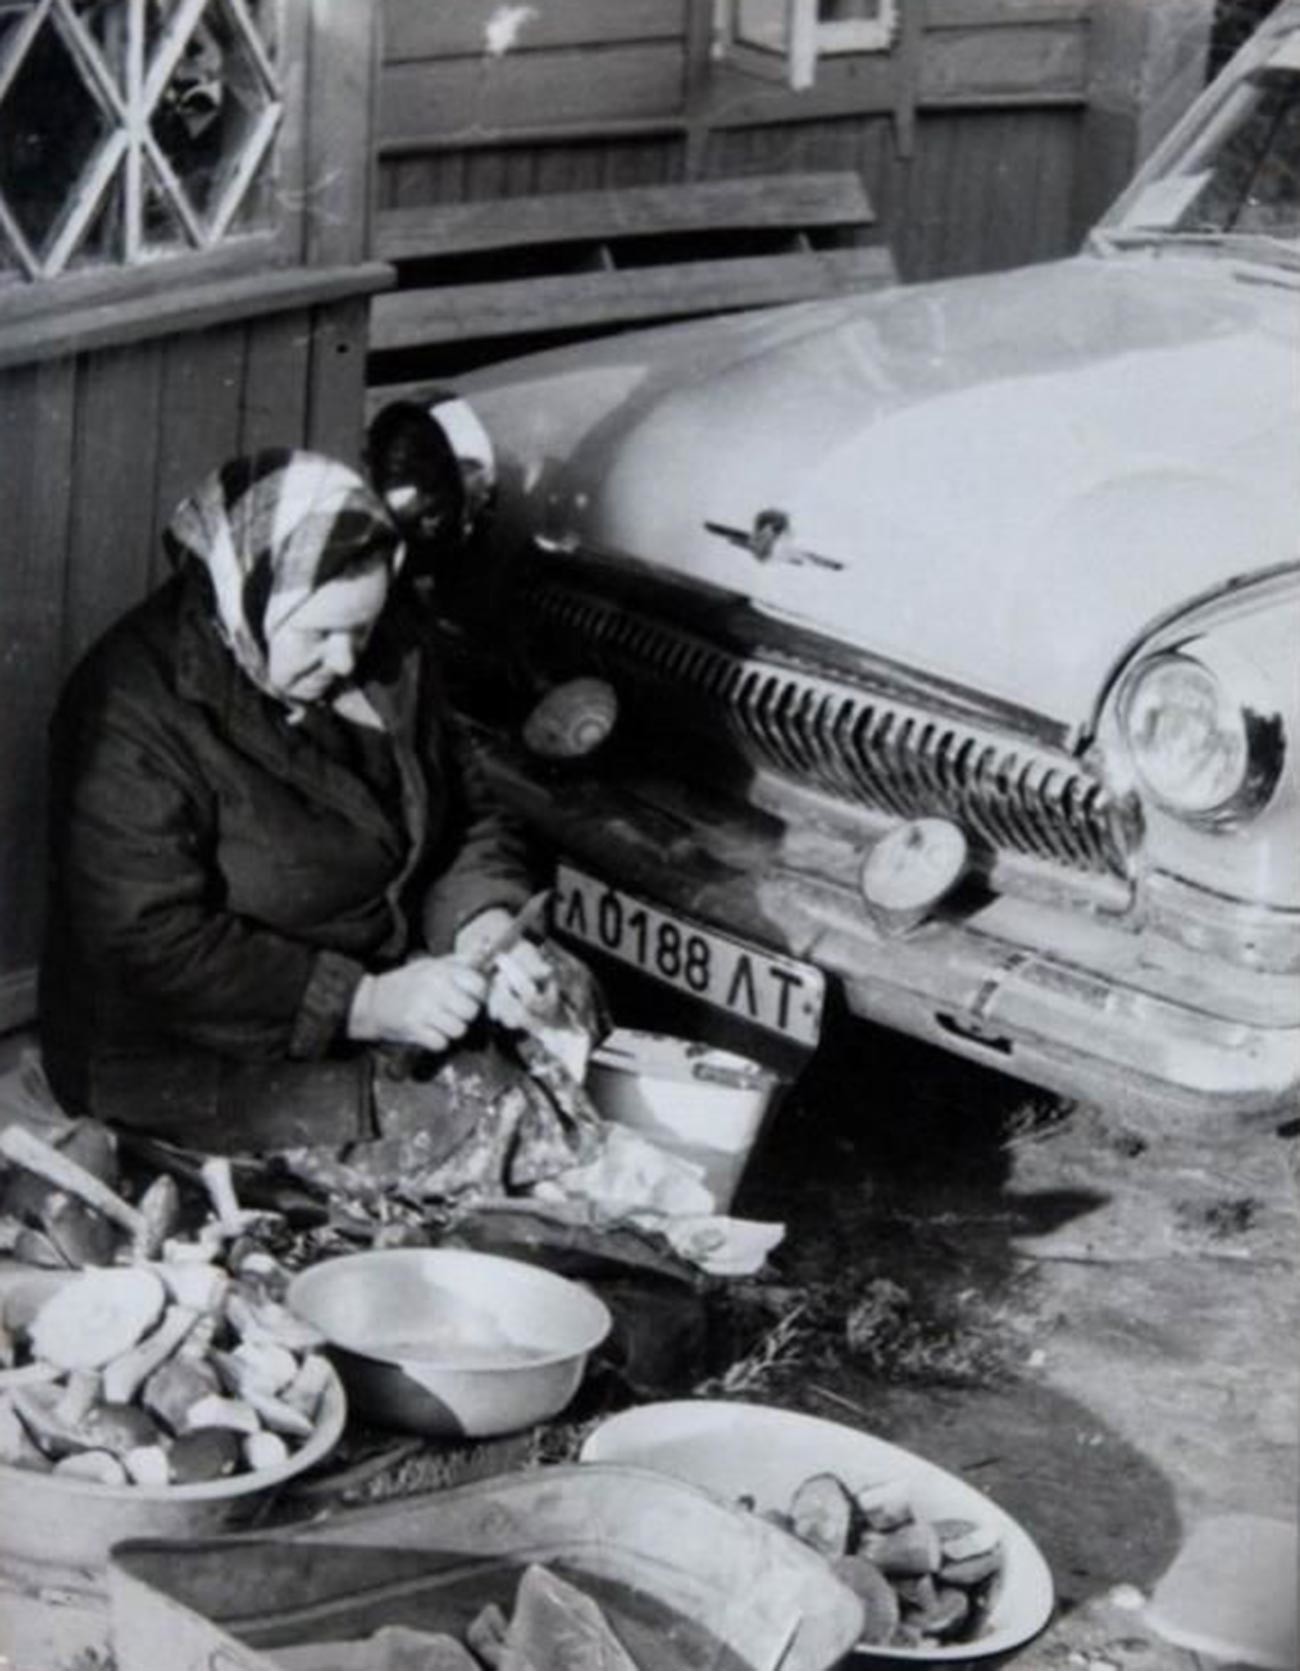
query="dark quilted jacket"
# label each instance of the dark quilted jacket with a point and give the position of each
(219, 883)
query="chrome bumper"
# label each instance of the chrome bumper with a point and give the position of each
(1081, 1003)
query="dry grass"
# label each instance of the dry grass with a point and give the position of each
(788, 1345)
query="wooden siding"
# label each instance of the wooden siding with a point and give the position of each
(587, 84)
(97, 451)
(593, 94)
(432, 29)
(985, 188)
(994, 139)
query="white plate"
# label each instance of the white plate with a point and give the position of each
(779, 994)
(736, 1450)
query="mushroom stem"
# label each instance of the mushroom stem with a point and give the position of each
(25, 1149)
(218, 1180)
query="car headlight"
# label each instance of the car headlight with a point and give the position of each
(1197, 749)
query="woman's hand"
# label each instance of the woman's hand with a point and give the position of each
(429, 1002)
(522, 985)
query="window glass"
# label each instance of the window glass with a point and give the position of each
(849, 11)
(133, 128)
(1241, 175)
(52, 125)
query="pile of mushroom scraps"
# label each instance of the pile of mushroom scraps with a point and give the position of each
(159, 1358)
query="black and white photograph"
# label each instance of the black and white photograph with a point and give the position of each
(649, 835)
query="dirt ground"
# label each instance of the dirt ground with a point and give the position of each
(1093, 1319)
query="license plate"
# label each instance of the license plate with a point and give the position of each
(776, 993)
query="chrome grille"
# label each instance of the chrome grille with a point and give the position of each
(851, 741)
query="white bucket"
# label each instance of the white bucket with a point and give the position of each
(705, 1105)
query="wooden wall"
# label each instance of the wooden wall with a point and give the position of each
(973, 138)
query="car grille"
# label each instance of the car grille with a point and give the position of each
(847, 739)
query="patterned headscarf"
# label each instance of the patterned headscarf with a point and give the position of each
(278, 525)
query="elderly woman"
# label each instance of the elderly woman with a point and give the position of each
(270, 852)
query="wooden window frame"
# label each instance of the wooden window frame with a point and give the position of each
(807, 38)
(36, 308)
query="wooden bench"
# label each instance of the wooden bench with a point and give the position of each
(572, 261)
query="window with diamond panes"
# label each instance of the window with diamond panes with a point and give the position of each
(131, 130)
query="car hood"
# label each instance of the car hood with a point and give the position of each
(1016, 473)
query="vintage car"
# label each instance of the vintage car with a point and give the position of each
(949, 636)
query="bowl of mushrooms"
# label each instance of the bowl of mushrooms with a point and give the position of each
(160, 1389)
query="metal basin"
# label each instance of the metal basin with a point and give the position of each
(446, 1342)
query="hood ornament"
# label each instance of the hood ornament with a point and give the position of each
(769, 541)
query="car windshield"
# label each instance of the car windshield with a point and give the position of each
(1237, 180)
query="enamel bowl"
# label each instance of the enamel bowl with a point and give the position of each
(755, 1451)
(448, 1342)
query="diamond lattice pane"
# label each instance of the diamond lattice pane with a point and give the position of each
(106, 25)
(11, 16)
(102, 241)
(51, 126)
(163, 230)
(213, 110)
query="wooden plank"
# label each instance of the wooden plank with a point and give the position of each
(337, 380)
(182, 307)
(960, 65)
(199, 420)
(422, 146)
(994, 14)
(529, 89)
(435, 29)
(37, 411)
(771, 200)
(701, 33)
(413, 318)
(274, 400)
(113, 490)
(856, 85)
(339, 124)
(17, 998)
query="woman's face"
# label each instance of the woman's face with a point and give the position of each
(313, 644)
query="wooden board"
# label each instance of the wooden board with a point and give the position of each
(423, 100)
(198, 428)
(436, 29)
(336, 383)
(274, 401)
(780, 200)
(948, 14)
(340, 122)
(112, 525)
(451, 313)
(37, 410)
(1033, 61)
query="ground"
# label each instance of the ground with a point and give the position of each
(1092, 1318)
